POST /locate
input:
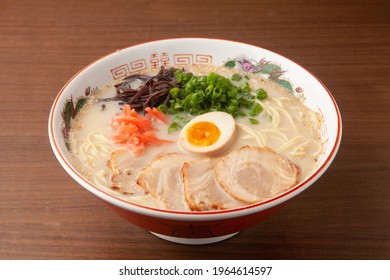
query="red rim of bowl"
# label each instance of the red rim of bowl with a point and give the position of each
(181, 215)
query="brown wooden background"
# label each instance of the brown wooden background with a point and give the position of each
(44, 214)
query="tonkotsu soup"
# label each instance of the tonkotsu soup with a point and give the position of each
(198, 138)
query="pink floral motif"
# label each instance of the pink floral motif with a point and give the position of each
(249, 67)
(265, 67)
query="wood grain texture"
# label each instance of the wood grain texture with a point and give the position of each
(44, 214)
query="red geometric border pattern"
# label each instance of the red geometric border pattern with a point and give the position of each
(203, 59)
(182, 59)
(155, 62)
(138, 65)
(120, 71)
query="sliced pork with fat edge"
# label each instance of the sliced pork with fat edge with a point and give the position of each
(162, 179)
(202, 191)
(254, 174)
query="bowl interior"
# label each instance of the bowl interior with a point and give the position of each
(180, 52)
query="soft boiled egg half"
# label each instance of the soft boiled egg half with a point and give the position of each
(207, 134)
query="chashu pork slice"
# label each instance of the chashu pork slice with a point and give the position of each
(202, 191)
(254, 174)
(125, 169)
(162, 179)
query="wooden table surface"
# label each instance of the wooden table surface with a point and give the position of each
(44, 214)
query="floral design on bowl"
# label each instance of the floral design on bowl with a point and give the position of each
(70, 110)
(268, 69)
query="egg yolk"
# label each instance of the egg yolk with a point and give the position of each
(203, 134)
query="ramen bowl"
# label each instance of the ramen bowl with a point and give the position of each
(208, 226)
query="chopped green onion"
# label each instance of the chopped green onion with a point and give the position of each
(246, 88)
(216, 93)
(201, 94)
(174, 92)
(253, 121)
(209, 89)
(162, 108)
(234, 102)
(231, 109)
(233, 92)
(197, 97)
(174, 126)
(261, 93)
(255, 109)
(236, 78)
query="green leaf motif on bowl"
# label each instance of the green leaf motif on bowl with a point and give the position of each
(230, 64)
(70, 110)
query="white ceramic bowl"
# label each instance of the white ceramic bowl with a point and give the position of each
(197, 227)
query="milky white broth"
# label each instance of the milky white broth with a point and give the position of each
(285, 125)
